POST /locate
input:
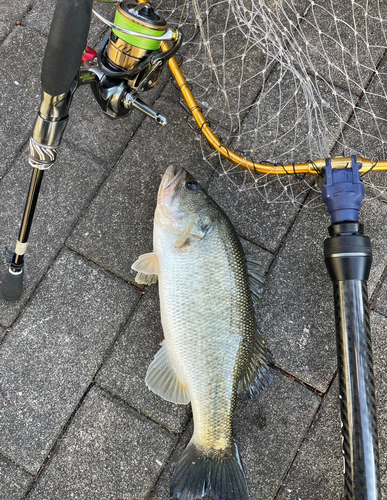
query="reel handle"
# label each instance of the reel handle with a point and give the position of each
(66, 43)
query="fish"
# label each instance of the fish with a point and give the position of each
(212, 349)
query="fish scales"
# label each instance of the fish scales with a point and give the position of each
(208, 322)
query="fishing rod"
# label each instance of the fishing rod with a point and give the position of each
(129, 62)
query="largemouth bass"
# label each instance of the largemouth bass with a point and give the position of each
(212, 349)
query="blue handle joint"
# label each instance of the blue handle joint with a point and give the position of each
(343, 191)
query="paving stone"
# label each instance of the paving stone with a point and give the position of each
(10, 13)
(373, 215)
(365, 134)
(109, 451)
(2, 332)
(296, 314)
(66, 190)
(343, 43)
(379, 339)
(296, 309)
(14, 482)
(379, 299)
(268, 432)
(227, 82)
(53, 352)
(124, 372)
(118, 226)
(317, 471)
(253, 218)
(21, 56)
(284, 126)
(162, 487)
(40, 15)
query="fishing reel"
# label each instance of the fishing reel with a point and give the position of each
(130, 59)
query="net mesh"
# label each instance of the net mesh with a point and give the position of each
(285, 81)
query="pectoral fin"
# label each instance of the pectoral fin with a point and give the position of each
(147, 267)
(162, 379)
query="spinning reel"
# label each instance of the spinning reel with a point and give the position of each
(129, 62)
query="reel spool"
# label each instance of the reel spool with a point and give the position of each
(126, 51)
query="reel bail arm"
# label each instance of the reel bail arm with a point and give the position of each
(348, 259)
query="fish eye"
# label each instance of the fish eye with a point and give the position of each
(191, 186)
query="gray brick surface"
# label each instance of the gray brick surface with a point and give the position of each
(379, 299)
(109, 452)
(283, 125)
(162, 487)
(331, 41)
(253, 218)
(119, 224)
(124, 372)
(14, 482)
(268, 431)
(21, 55)
(10, 13)
(322, 446)
(53, 352)
(239, 75)
(318, 469)
(366, 130)
(40, 15)
(379, 339)
(296, 312)
(66, 190)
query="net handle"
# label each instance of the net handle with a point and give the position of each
(313, 167)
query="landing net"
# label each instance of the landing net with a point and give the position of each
(285, 82)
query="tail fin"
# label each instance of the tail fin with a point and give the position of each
(219, 474)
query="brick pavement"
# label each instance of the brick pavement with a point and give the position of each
(78, 421)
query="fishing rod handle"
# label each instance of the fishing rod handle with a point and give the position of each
(357, 391)
(66, 43)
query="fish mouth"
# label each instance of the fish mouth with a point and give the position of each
(171, 176)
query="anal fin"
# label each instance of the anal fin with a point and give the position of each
(257, 279)
(259, 369)
(162, 379)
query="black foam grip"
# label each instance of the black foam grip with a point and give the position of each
(12, 287)
(66, 42)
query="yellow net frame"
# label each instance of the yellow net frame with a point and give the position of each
(313, 167)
